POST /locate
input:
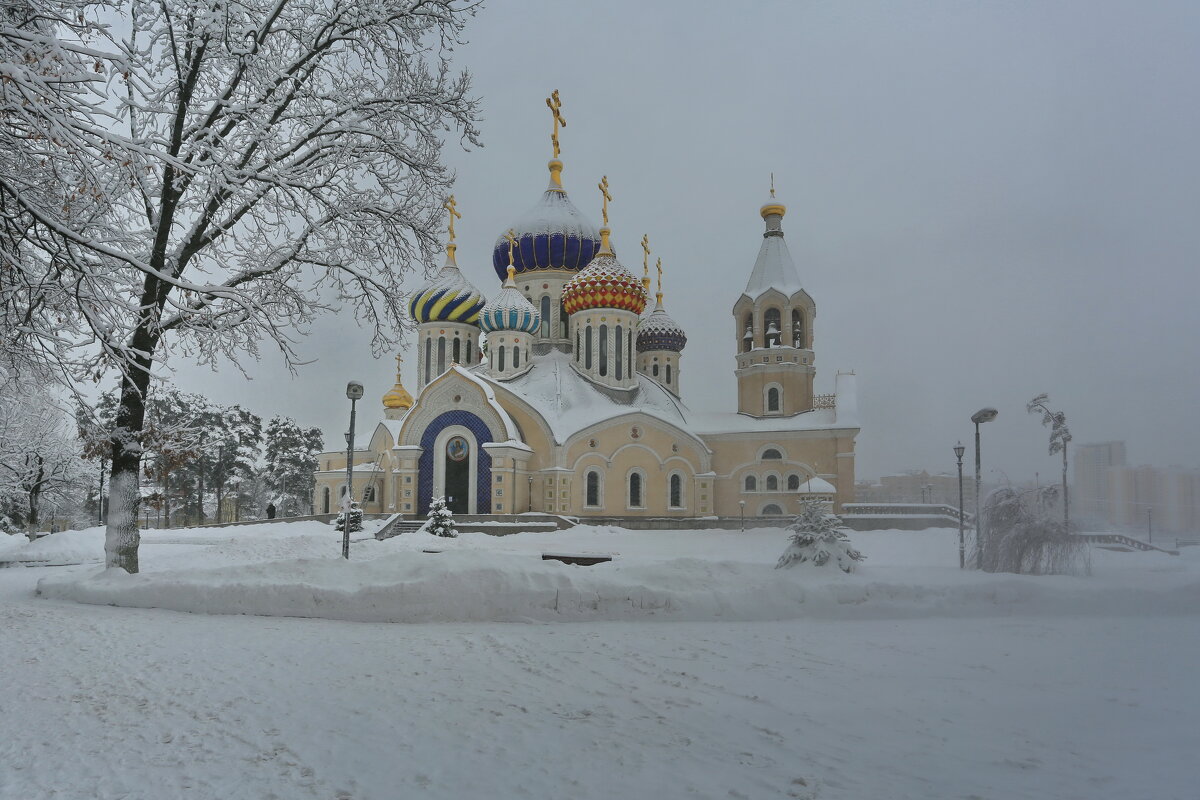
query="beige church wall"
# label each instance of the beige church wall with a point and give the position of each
(656, 453)
(796, 382)
(805, 453)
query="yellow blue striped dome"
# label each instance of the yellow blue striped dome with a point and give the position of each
(449, 297)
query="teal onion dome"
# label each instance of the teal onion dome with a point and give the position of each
(509, 311)
(657, 331)
(551, 235)
(449, 297)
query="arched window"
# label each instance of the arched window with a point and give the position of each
(369, 494)
(428, 357)
(587, 348)
(654, 370)
(751, 483)
(798, 332)
(516, 357)
(577, 354)
(620, 349)
(545, 316)
(593, 489)
(562, 322)
(630, 340)
(772, 510)
(771, 454)
(635, 490)
(748, 335)
(668, 374)
(325, 500)
(441, 355)
(457, 351)
(793, 483)
(772, 327)
(773, 399)
(500, 359)
(675, 493)
(603, 351)
(772, 483)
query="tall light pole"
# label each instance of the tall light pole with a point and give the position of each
(959, 449)
(354, 390)
(742, 503)
(979, 417)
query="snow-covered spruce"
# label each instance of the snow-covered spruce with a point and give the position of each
(441, 519)
(819, 537)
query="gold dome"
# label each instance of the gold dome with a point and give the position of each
(398, 396)
(773, 207)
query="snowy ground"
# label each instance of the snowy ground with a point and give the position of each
(908, 679)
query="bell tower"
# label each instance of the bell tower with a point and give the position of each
(773, 326)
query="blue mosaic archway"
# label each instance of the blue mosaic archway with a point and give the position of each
(483, 459)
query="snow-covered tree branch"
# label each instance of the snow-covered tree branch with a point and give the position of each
(273, 159)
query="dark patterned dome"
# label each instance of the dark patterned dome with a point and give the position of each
(551, 235)
(658, 331)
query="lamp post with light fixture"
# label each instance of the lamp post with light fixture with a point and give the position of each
(354, 391)
(979, 417)
(959, 449)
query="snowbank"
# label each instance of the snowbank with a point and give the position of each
(474, 579)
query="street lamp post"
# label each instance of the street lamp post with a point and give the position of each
(531, 493)
(979, 417)
(959, 449)
(742, 503)
(354, 391)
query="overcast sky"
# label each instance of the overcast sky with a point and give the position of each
(986, 201)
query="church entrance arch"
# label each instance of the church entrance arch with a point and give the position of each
(454, 465)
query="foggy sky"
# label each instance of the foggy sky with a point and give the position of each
(986, 201)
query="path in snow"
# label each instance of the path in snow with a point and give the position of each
(99, 702)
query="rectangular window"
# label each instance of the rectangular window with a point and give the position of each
(620, 350)
(587, 348)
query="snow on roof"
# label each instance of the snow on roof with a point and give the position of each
(774, 269)
(730, 422)
(816, 485)
(393, 427)
(569, 402)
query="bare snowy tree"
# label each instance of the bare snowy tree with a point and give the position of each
(279, 158)
(1060, 437)
(40, 456)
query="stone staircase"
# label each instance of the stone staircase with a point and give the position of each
(398, 525)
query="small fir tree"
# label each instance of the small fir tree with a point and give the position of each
(819, 537)
(441, 519)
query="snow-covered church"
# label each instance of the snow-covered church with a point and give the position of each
(561, 393)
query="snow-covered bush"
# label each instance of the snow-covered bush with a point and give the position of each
(819, 537)
(356, 518)
(1022, 532)
(441, 519)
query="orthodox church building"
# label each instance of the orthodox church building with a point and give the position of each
(561, 393)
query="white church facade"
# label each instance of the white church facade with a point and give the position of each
(561, 393)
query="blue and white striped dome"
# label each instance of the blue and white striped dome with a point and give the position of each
(509, 310)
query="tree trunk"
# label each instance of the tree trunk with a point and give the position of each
(121, 536)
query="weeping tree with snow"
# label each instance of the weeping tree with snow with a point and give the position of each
(261, 161)
(441, 519)
(819, 538)
(1025, 535)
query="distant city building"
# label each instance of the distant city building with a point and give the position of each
(1111, 494)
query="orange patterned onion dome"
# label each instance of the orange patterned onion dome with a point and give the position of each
(604, 283)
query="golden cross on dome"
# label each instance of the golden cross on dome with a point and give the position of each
(555, 106)
(603, 185)
(512, 242)
(399, 361)
(645, 254)
(452, 207)
(659, 268)
(772, 185)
